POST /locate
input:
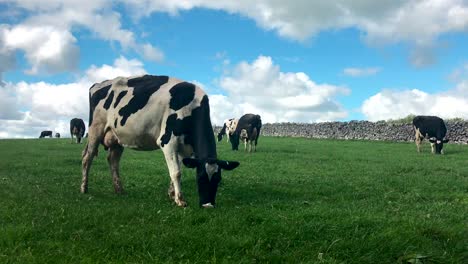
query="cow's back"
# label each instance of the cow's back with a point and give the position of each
(430, 126)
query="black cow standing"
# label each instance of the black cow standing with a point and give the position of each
(432, 128)
(46, 133)
(248, 127)
(57, 135)
(77, 129)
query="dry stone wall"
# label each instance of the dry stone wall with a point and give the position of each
(457, 130)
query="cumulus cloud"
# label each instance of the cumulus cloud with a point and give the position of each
(46, 48)
(392, 104)
(360, 72)
(46, 33)
(418, 22)
(28, 108)
(261, 87)
(122, 67)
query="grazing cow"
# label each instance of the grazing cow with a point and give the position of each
(433, 128)
(251, 124)
(57, 135)
(46, 133)
(155, 112)
(228, 128)
(77, 129)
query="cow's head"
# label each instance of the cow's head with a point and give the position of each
(439, 144)
(208, 177)
(222, 132)
(234, 139)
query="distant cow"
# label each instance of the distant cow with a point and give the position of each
(228, 128)
(155, 112)
(46, 133)
(251, 124)
(77, 129)
(57, 135)
(432, 128)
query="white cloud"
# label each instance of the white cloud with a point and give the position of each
(46, 38)
(359, 72)
(418, 22)
(121, 67)
(391, 104)
(46, 48)
(260, 87)
(28, 108)
(151, 53)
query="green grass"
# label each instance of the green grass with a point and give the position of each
(295, 200)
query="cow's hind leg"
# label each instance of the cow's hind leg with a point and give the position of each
(115, 153)
(173, 164)
(89, 152)
(95, 136)
(113, 158)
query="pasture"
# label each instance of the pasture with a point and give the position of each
(295, 200)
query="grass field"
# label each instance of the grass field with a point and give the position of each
(295, 200)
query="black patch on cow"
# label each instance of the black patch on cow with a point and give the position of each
(108, 101)
(177, 127)
(181, 95)
(119, 97)
(115, 123)
(144, 87)
(95, 98)
(197, 130)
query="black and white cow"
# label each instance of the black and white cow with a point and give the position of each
(155, 112)
(248, 126)
(77, 129)
(228, 128)
(432, 128)
(46, 133)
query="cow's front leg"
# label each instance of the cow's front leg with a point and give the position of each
(115, 153)
(173, 164)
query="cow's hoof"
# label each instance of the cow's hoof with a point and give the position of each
(181, 203)
(207, 205)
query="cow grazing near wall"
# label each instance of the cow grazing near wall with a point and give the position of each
(46, 133)
(251, 124)
(432, 128)
(155, 112)
(228, 128)
(77, 129)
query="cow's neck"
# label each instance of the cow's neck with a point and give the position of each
(204, 143)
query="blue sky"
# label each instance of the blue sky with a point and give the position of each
(300, 61)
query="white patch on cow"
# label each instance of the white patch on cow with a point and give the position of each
(438, 141)
(211, 169)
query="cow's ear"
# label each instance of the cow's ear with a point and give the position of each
(228, 165)
(191, 163)
(432, 140)
(445, 140)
